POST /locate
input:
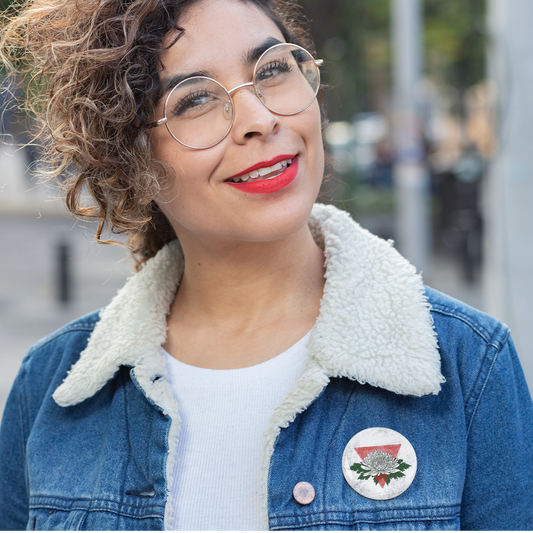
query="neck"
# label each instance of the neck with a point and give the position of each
(246, 285)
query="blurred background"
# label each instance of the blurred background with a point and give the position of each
(430, 106)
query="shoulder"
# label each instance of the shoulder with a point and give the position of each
(463, 329)
(451, 316)
(83, 325)
(477, 352)
(49, 360)
(65, 343)
(467, 338)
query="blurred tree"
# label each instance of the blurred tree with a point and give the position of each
(353, 37)
(455, 42)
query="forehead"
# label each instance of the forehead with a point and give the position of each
(218, 35)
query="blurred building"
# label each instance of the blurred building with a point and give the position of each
(508, 202)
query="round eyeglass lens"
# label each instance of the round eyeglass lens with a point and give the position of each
(199, 112)
(286, 79)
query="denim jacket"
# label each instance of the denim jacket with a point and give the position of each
(90, 426)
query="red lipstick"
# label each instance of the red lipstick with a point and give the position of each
(268, 185)
(264, 164)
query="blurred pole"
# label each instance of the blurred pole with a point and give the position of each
(508, 194)
(410, 172)
(63, 273)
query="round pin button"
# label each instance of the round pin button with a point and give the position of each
(379, 463)
(303, 492)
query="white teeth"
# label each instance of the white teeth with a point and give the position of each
(263, 171)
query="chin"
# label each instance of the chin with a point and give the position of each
(281, 222)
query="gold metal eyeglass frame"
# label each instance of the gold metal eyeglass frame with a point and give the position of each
(164, 120)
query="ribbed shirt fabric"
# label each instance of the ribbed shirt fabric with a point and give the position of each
(225, 414)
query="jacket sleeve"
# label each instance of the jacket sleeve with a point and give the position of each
(13, 435)
(498, 491)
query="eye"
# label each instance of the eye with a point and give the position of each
(193, 103)
(272, 70)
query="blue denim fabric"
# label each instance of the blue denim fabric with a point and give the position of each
(101, 464)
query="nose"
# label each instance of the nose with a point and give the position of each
(252, 118)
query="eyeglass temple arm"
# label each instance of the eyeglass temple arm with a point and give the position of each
(159, 122)
(319, 62)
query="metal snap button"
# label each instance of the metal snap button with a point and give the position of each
(303, 492)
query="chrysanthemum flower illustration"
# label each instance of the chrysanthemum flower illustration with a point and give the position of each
(380, 465)
(380, 462)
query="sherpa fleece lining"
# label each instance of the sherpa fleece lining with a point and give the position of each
(374, 326)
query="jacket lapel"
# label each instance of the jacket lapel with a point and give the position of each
(375, 324)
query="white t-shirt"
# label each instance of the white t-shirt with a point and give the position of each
(225, 414)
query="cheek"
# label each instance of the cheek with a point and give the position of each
(185, 204)
(191, 168)
(313, 123)
(189, 195)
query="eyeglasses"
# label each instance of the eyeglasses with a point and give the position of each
(199, 111)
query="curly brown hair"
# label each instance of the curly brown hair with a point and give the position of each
(90, 73)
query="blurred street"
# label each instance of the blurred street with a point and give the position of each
(29, 307)
(33, 225)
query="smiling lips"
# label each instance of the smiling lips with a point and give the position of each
(267, 178)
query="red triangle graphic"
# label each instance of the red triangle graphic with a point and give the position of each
(388, 448)
(393, 449)
(382, 479)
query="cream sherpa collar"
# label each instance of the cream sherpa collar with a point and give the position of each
(374, 324)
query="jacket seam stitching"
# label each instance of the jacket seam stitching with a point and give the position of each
(121, 377)
(490, 344)
(78, 505)
(152, 514)
(25, 429)
(53, 337)
(376, 520)
(82, 521)
(339, 521)
(483, 387)
(487, 348)
(336, 430)
(485, 355)
(480, 330)
(474, 410)
(451, 506)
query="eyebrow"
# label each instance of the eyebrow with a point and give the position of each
(171, 82)
(255, 53)
(249, 57)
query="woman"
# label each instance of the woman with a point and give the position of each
(276, 366)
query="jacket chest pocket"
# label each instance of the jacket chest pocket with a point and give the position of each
(56, 520)
(47, 519)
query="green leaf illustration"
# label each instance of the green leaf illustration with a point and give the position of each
(364, 472)
(402, 466)
(358, 467)
(396, 475)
